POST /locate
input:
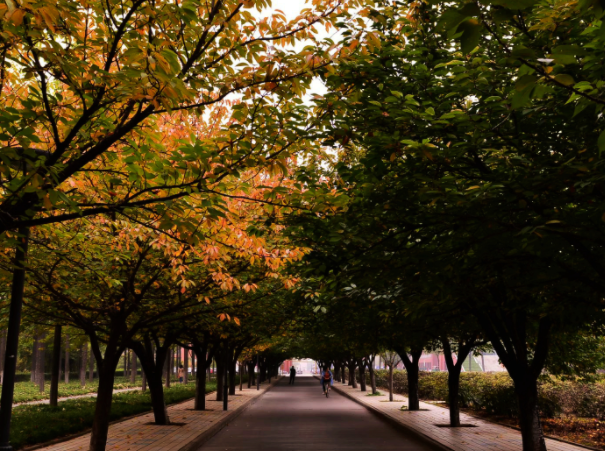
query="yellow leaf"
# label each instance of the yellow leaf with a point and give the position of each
(17, 16)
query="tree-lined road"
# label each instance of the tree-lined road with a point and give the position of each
(299, 417)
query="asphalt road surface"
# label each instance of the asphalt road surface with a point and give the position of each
(299, 417)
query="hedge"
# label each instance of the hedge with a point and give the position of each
(494, 393)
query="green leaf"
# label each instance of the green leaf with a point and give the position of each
(601, 142)
(471, 34)
(565, 79)
(521, 98)
(525, 81)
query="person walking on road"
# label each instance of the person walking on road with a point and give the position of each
(292, 375)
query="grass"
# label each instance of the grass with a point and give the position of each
(40, 423)
(374, 394)
(28, 391)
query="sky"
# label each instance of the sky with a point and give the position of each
(292, 8)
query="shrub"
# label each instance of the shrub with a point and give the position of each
(494, 393)
(41, 423)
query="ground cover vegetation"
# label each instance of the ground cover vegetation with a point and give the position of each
(571, 410)
(42, 423)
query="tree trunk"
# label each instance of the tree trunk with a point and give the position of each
(133, 369)
(411, 367)
(242, 368)
(372, 377)
(160, 413)
(83, 361)
(186, 365)
(143, 380)
(91, 365)
(250, 374)
(352, 378)
(453, 393)
(413, 395)
(232, 377)
(526, 389)
(66, 367)
(40, 360)
(362, 375)
(193, 367)
(168, 369)
(55, 368)
(34, 370)
(219, 376)
(200, 384)
(2, 354)
(453, 378)
(100, 425)
(391, 383)
(343, 373)
(126, 357)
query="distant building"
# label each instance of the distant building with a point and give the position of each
(303, 366)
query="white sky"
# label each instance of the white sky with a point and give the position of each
(292, 8)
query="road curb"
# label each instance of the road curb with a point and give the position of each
(201, 439)
(393, 422)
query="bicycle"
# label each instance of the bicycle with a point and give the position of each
(327, 390)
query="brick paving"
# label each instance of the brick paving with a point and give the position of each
(485, 437)
(136, 434)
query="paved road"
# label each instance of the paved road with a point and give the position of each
(299, 417)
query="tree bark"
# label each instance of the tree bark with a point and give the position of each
(34, 370)
(200, 382)
(66, 367)
(232, 377)
(186, 365)
(411, 367)
(372, 377)
(362, 375)
(2, 354)
(391, 383)
(133, 368)
(251, 379)
(453, 377)
(143, 380)
(529, 419)
(352, 375)
(152, 361)
(91, 365)
(168, 370)
(160, 413)
(55, 368)
(106, 373)
(126, 357)
(242, 368)
(219, 375)
(40, 360)
(504, 329)
(83, 362)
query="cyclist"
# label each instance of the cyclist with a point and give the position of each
(326, 378)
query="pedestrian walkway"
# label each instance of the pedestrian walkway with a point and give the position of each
(189, 426)
(299, 417)
(485, 436)
(68, 398)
